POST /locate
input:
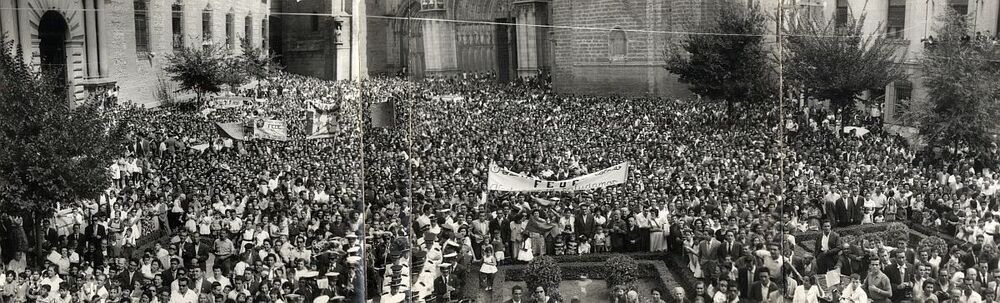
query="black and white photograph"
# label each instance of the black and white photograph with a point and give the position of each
(499, 151)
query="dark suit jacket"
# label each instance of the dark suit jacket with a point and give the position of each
(834, 243)
(128, 279)
(734, 251)
(440, 287)
(757, 295)
(895, 279)
(587, 228)
(202, 254)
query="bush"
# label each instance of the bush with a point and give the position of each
(932, 243)
(621, 270)
(544, 272)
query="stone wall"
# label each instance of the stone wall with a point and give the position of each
(139, 75)
(583, 62)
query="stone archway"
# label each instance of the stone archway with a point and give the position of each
(52, 32)
(56, 30)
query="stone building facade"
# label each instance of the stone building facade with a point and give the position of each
(322, 38)
(100, 43)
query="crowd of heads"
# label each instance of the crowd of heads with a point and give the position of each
(719, 187)
(196, 216)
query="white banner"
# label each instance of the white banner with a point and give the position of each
(501, 179)
(227, 102)
(271, 130)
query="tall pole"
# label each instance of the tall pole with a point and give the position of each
(781, 121)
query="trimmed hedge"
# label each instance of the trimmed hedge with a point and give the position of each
(621, 270)
(645, 269)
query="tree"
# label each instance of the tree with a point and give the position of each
(49, 152)
(963, 82)
(731, 64)
(256, 61)
(838, 62)
(200, 69)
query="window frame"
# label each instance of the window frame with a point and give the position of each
(230, 30)
(896, 31)
(617, 45)
(177, 26)
(140, 15)
(206, 32)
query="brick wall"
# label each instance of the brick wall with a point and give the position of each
(582, 61)
(139, 76)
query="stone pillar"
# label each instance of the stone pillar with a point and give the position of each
(359, 43)
(90, 17)
(102, 38)
(440, 55)
(23, 28)
(8, 21)
(343, 44)
(531, 40)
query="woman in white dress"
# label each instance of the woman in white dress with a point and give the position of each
(659, 228)
(488, 268)
(524, 253)
(694, 262)
(808, 292)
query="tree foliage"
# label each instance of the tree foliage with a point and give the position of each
(49, 152)
(963, 82)
(838, 62)
(256, 62)
(201, 69)
(732, 63)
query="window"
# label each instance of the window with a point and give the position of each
(177, 22)
(141, 26)
(432, 4)
(897, 19)
(843, 13)
(315, 21)
(229, 31)
(617, 44)
(904, 93)
(263, 33)
(248, 30)
(206, 26)
(960, 6)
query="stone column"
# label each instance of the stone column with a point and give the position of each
(23, 28)
(343, 44)
(102, 38)
(8, 21)
(440, 55)
(531, 40)
(90, 17)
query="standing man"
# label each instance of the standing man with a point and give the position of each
(877, 284)
(827, 248)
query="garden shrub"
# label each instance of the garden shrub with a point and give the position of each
(621, 270)
(545, 272)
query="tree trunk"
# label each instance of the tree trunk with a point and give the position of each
(36, 229)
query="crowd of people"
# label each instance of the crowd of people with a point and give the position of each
(196, 216)
(719, 190)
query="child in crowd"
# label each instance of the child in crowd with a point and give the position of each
(584, 247)
(601, 240)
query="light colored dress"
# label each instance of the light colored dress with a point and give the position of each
(489, 265)
(657, 239)
(524, 253)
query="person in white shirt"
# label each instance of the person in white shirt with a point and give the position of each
(854, 292)
(183, 294)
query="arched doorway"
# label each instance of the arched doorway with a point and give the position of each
(52, 33)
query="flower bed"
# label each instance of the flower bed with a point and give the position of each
(646, 269)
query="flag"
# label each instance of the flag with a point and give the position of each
(383, 114)
(233, 130)
(323, 120)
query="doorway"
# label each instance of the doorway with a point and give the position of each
(506, 43)
(52, 30)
